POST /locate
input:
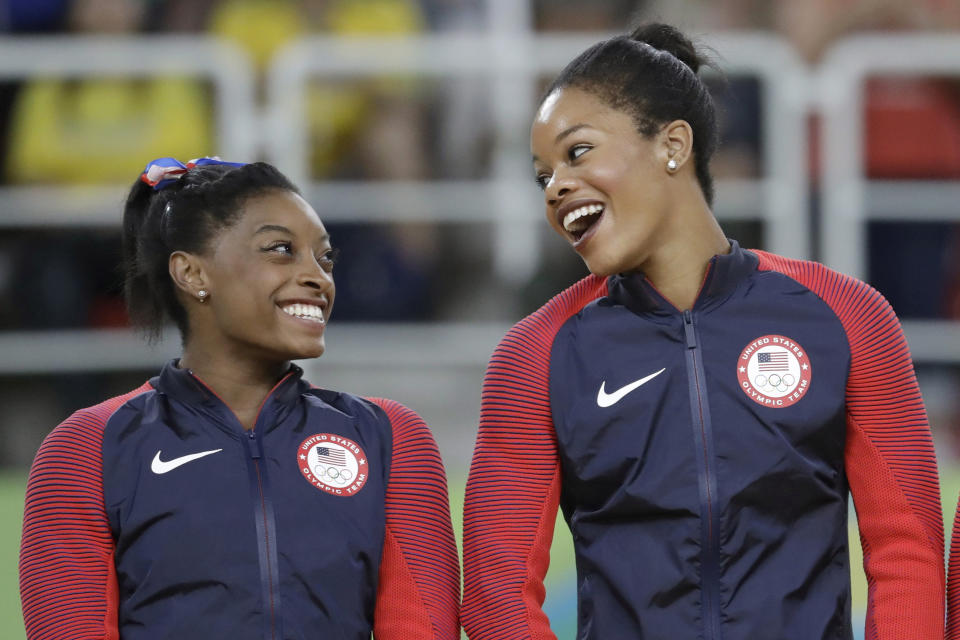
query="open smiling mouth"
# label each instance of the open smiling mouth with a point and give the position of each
(309, 312)
(581, 219)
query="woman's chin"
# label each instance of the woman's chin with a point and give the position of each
(302, 351)
(314, 352)
(599, 266)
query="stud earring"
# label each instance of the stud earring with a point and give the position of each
(202, 294)
(672, 165)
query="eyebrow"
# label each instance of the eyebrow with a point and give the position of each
(569, 131)
(272, 227)
(276, 227)
(566, 132)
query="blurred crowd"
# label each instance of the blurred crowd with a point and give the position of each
(68, 131)
(98, 131)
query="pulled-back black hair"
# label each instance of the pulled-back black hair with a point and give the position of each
(651, 75)
(184, 216)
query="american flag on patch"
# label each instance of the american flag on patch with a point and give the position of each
(332, 456)
(773, 361)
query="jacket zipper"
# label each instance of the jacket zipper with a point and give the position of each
(707, 477)
(266, 535)
(263, 513)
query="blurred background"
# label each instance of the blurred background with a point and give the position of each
(406, 122)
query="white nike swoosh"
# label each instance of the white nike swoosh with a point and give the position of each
(605, 399)
(158, 466)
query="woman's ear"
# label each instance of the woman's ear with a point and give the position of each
(186, 271)
(677, 144)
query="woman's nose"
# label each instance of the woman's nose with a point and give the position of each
(561, 184)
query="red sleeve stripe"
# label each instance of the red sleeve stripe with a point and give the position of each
(953, 583)
(890, 460)
(66, 552)
(420, 542)
(514, 484)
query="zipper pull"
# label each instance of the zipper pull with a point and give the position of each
(255, 451)
(688, 329)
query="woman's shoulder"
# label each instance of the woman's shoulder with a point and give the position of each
(819, 278)
(802, 270)
(395, 421)
(86, 426)
(100, 413)
(854, 301)
(549, 317)
(358, 406)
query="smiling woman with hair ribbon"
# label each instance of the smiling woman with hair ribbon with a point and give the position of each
(699, 411)
(228, 497)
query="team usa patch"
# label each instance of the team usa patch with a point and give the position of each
(774, 371)
(333, 464)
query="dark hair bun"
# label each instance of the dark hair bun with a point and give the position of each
(666, 38)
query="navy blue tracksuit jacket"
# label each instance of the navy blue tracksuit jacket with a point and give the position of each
(155, 515)
(703, 461)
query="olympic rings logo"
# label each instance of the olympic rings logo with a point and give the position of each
(333, 464)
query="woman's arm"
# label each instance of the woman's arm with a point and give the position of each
(892, 471)
(68, 584)
(418, 597)
(953, 583)
(512, 495)
(513, 491)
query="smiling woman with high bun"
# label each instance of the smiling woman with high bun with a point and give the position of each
(228, 497)
(700, 412)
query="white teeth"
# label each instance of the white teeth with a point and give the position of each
(578, 213)
(304, 311)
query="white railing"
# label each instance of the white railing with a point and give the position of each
(450, 344)
(511, 60)
(779, 197)
(849, 199)
(349, 344)
(225, 65)
(507, 199)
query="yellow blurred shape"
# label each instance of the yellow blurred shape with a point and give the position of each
(261, 27)
(103, 130)
(357, 17)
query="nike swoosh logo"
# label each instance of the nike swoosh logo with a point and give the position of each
(605, 399)
(158, 466)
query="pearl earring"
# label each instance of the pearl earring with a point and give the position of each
(202, 294)
(672, 164)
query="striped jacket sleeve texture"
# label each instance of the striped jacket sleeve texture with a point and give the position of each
(418, 596)
(953, 582)
(68, 585)
(513, 490)
(890, 461)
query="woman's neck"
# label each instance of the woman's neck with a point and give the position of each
(243, 384)
(677, 267)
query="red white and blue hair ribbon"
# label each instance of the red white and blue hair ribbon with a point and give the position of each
(163, 172)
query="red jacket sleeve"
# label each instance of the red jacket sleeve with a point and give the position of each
(418, 596)
(513, 490)
(953, 583)
(890, 461)
(68, 585)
